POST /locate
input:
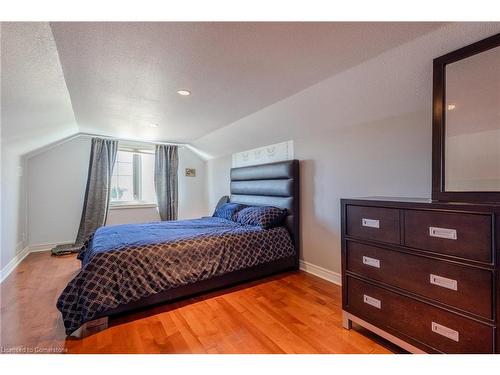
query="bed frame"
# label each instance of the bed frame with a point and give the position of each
(274, 184)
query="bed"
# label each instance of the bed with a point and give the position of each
(128, 267)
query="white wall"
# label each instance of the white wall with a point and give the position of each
(218, 179)
(391, 157)
(57, 179)
(363, 132)
(35, 111)
(132, 215)
(56, 189)
(13, 201)
(192, 190)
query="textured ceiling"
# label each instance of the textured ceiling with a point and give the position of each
(390, 85)
(35, 106)
(124, 76)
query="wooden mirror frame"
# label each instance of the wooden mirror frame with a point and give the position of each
(438, 125)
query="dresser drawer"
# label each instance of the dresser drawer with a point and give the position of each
(373, 223)
(466, 288)
(437, 328)
(461, 235)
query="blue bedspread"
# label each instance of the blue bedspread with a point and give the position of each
(124, 263)
(121, 237)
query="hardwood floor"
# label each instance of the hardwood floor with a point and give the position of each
(288, 313)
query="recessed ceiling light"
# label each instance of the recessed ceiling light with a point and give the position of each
(451, 107)
(184, 92)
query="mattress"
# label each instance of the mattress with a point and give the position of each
(125, 263)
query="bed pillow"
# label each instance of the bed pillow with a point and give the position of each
(265, 216)
(228, 211)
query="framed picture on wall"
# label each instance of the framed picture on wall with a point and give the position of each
(190, 172)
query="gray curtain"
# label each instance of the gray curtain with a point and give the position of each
(166, 164)
(96, 202)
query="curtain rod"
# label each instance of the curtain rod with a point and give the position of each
(81, 134)
(130, 139)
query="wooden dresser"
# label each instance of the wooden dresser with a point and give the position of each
(422, 274)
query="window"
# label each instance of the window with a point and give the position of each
(132, 182)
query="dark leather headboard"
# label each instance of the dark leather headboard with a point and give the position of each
(274, 184)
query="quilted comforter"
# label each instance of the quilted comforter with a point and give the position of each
(124, 263)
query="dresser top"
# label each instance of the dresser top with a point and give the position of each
(421, 203)
(394, 199)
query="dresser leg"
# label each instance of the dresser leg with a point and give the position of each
(346, 322)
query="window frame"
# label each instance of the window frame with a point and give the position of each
(137, 183)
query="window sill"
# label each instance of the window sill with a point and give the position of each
(123, 206)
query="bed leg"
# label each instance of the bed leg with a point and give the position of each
(346, 322)
(91, 327)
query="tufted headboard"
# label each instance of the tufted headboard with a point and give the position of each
(274, 184)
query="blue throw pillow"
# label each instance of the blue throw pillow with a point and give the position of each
(228, 211)
(265, 216)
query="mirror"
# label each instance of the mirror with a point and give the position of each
(466, 124)
(472, 123)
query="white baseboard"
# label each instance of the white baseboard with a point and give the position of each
(20, 247)
(45, 246)
(14, 262)
(321, 272)
(11, 266)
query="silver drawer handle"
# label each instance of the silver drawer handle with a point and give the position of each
(445, 331)
(443, 282)
(450, 234)
(372, 301)
(371, 223)
(372, 262)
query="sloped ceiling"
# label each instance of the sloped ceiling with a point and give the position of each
(122, 77)
(117, 79)
(394, 83)
(35, 107)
